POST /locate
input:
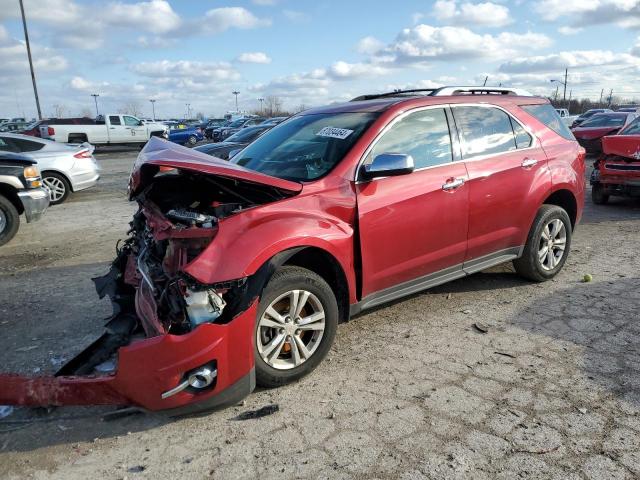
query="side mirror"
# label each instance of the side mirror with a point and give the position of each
(388, 165)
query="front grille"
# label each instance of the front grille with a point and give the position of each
(626, 168)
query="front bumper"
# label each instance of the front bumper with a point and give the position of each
(149, 367)
(35, 203)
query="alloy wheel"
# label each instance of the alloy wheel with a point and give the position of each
(551, 247)
(56, 187)
(290, 329)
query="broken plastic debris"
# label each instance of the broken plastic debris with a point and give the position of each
(261, 412)
(481, 327)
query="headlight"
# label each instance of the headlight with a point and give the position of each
(32, 177)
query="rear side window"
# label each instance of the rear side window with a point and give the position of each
(523, 139)
(27, 145)
(114, 120)
(484, 131)
(423, 135)
(546, 114)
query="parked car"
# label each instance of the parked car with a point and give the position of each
(220, 134)
(186, 136)
(238, 272)
(209, 131)
(273, 121)
(112, 129)
(214, 123)
(566, 117)
(588, 114)
(21, 192)
(64, 168)
(628, 109)
(589, 134)
(234, 143)
(14, 126)
(617, 171)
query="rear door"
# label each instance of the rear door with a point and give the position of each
(413, 227)
(508, 175)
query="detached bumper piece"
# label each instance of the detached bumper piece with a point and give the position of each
(210, 367)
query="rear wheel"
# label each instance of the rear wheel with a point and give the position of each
(58, 186)
(598, 195)
(192, 140)
(547, 245)
(9, 220)
(296, 324)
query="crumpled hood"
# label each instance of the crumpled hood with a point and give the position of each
(162, 153)
(589, 133)
(627, 146)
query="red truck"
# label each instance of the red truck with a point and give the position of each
(617, 170)
(237, 273)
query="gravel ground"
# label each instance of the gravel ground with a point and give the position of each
(409, 391)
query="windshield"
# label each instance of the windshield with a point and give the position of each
(246, 135)
(305, 147)
(632, 129)
(605, 120)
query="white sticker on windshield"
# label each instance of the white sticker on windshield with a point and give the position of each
(334, 132)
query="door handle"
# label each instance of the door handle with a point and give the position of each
(453, 184)
(529, 162)
(112, 128)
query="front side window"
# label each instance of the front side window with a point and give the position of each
(305, 147)
(424, 135)
(246, 135)
(131, 121)
(114, 120)
(484, 131)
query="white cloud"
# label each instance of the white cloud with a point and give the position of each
(369, 45)
(557, 62)
(346, 71)
(295, 16)
(155, 16)
(265, 3)
(254, 57)
(221, 19)
(424, 43)
(186, 69)
(625, 13)
(486, 14)
(566, 30)
(84, 85)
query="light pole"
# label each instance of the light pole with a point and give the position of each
(564, 84)
(188, 105)
(95, 99)
(153, 107)
(261, 100)
(33, 75)
(236, 93)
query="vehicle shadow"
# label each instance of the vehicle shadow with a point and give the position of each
(595, 331)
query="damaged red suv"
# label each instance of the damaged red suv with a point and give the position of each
(237, 273)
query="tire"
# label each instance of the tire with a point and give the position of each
(58, 185)
(9, 220)
(192, 140)
(287, 363)
(530, 265)
(597, 194)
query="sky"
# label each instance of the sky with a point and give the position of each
(306, 52)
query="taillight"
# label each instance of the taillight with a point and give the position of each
(83, 154)
(50, 131)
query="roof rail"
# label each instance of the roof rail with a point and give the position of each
(441, 92)
(451, 90)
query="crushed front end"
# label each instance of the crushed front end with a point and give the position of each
(617, 170)
(172, 343)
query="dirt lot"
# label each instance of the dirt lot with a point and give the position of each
(409, 391)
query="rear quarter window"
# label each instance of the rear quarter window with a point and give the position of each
(546, 114)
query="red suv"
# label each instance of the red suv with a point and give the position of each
(239, 272)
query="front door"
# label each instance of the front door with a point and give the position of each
(137, 131)
(413, 226)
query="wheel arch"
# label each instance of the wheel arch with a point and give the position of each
(77, 135)
(11, 194)
(566, 200)
(62, 174)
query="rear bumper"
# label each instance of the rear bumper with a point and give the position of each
(35, 203)
(150, 367)
(84, 180)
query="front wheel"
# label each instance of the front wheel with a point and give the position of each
(9, 220)
(296, 324)
(547, 245)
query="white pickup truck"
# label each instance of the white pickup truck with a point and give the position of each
(113, 129)
(565, 116)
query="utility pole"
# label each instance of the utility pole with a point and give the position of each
(569, 104)
(485, 81)
(153, 107)
(236, 93)
(33, 75)
(188, 105)
(610, 98)
(95, 98)
(261, 100)
(555, 97)
(564, 95)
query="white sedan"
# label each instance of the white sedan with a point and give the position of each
(64, 168)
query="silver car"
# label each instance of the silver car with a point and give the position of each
(64, 168)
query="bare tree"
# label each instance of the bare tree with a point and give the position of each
(86, 112)
(132, 108)
(273, 106)
(59, 110)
